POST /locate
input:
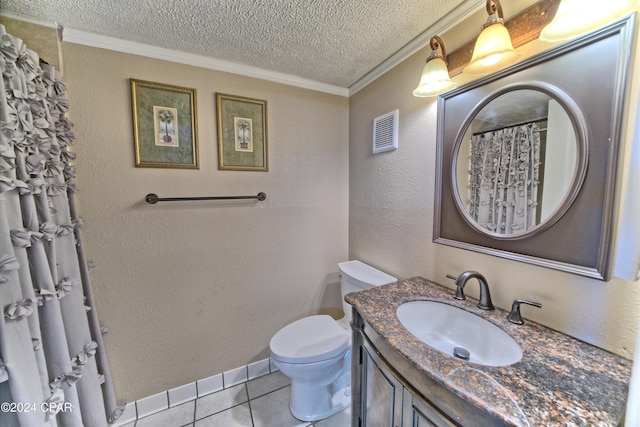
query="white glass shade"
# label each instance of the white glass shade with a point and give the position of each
(493, 50)
(577, 17)
(434, 80)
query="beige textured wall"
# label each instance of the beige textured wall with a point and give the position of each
(190, 290)
(391, 222)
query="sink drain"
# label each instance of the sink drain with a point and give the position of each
(461, 353)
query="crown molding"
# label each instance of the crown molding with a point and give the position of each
(72, 35)
(446, 23)
(30, 20)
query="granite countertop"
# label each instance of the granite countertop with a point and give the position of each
(559, 380)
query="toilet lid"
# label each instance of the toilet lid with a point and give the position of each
(310, 339)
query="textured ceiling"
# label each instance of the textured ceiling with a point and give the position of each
(336, 42)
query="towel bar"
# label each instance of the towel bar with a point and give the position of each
(153, 198)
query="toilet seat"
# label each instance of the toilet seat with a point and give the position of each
(308, 340)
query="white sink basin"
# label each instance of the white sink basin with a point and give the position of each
(458, 333)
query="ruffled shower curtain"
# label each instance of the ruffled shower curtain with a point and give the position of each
(504, 178)
(53, 368)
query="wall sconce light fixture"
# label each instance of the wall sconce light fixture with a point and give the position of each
(493, 49)
(435, 75)
(577, 17)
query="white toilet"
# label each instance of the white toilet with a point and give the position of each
(315, 352)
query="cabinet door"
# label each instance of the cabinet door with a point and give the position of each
(420, 414)
(382, 400)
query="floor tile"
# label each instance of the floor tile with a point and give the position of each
(260, 402)
(177, 416)
(220, 401)
(238, 416)
(341, 419)
(267, 384)
(273, 410)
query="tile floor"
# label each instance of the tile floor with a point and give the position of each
(261, 402)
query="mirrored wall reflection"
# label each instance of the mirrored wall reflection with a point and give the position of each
(516, 162)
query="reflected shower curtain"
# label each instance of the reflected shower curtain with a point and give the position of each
(504, 178)
(53, 369)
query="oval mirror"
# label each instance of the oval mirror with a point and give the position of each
(519, 161)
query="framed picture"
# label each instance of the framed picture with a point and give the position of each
(242, 133)
(165, 126)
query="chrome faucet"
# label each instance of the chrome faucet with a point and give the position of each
(485, 296)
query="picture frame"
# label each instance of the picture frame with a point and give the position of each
(165, 125)
(242, 133)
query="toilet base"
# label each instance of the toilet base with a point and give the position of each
(323, 407)
(316, 400)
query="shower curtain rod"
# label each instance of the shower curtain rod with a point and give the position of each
(153, 198)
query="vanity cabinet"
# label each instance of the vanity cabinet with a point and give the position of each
(399, 381)
(381, 397)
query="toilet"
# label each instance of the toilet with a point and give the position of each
(315, 351)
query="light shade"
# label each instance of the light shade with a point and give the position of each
(493, 49)
(434, 80)
(435, 75)
(577, 17)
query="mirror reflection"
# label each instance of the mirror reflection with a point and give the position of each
(515, 164)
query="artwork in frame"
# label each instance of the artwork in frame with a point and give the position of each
(165, 125)
(242, 133)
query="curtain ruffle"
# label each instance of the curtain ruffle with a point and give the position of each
(48, 230)
(45, 295)
(65, 229)
(7, 264)
(19, 310)
(36, 184)
(8, 184)
(65, 286)
(4, 375)
(83, 357)
(66, 380)
(54, 403)
(116, 414)
(23, 238)
(78, 362)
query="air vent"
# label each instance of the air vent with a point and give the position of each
(385, 132)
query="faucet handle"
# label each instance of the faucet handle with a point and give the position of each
(514, 316)
(459, 289)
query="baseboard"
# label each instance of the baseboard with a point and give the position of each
(176, 396)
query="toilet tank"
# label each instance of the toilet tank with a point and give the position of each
(356, 276)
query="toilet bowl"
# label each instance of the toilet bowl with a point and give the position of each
(315, 351)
